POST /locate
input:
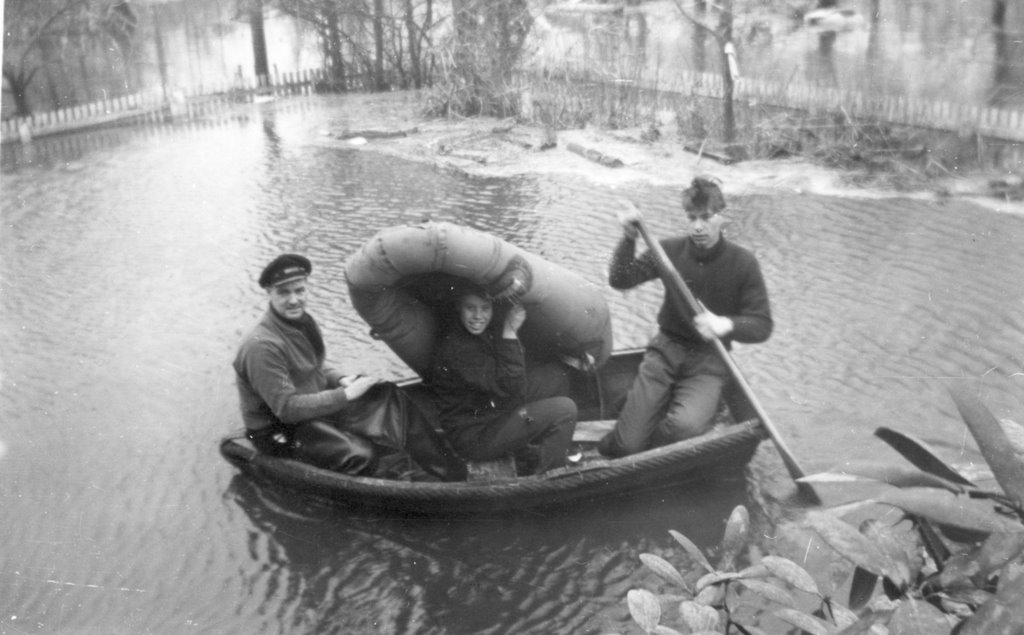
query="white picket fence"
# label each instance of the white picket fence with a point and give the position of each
(994, 123)
(997, 123)
(155, 106)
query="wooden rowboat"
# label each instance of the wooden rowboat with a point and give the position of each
(494, 488)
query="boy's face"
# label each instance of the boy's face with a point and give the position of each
(704, 227)
(475, 313)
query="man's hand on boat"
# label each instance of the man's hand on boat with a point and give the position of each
(356, 385)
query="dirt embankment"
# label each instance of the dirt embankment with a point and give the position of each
(493, 147)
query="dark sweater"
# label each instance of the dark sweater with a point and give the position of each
(477, 378)
(726, 279)
(281, 375)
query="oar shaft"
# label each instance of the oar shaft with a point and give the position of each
(672, 277)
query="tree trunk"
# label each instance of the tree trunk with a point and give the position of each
(414, 51)
(259, 43)
(700, 61)
(378, 41)
(46, 56)
(874, 43)
(1002, 84)
(161, 57)
(333, 44)
(18, 83)
(728, 114)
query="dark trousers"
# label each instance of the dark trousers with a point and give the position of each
(539, 432)
(318, 443)
(674, 397)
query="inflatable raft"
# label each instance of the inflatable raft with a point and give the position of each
(402, 282)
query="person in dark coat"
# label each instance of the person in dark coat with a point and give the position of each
(292, 402)
(681, 378)
(487, 407)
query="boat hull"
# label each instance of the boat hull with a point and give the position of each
(728, 447)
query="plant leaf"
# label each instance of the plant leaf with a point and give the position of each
(945, 508)
(717, 577)
(692, 549)
(698, 617)
(710, 595)
(1001, 615)
(978, 564)
(933, 544)
(851, 544)
(811, 624)
(791, 572)
(867, 622)
(920, 455)
(992, 441)
(645, 609)
(661, 629)
(1015, 434)
(663, 569)
(916, 617)
(737, 531)
(755, 571)
(770, 591)
(841, 615)
(902, 552)
(896, 475)
(862, 587)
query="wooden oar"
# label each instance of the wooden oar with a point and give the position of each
(672, 279)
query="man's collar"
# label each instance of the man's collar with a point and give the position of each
(280, 319)
(704, 255)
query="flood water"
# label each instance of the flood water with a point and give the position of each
(128, 267)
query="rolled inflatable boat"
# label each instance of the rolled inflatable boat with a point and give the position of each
(403, 281)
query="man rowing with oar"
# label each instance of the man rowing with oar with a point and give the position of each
(680, 380)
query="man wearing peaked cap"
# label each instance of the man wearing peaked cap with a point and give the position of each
(292, 402)
(285, 268)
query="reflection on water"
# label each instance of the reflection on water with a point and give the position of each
(489, 575)
(127, 279)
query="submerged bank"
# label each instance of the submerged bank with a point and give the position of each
(502, 148)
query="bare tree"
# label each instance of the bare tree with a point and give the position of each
(326, 18)
(377, 38)
(487, 44)
(416, 35)
(59, 38)
(722, 33)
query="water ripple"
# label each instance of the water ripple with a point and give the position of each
(128, 280)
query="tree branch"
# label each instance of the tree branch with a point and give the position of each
(700, 25)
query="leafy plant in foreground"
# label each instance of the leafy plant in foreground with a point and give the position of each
(953, 561)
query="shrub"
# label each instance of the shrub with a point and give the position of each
(953, 562)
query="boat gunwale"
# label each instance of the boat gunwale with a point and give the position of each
(570, 477)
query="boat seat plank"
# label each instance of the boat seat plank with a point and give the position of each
(592, 431)
(505, 467)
